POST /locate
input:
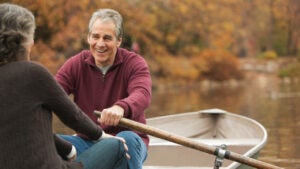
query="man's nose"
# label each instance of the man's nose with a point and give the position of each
(100, 42)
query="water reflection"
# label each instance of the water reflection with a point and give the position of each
(195, 98)
(262, 97)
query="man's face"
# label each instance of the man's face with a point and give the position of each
(103, 42)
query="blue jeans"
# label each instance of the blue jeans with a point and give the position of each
(95, 155)
(108, 153)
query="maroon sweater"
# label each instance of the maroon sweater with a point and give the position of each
(127, 83)
(29, 95)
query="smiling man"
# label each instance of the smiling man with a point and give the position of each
(112, 80)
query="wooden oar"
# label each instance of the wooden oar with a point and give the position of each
(193, 144)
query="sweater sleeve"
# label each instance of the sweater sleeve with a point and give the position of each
(63, 147)
(64, 76)
(139, 88)
(55, 99)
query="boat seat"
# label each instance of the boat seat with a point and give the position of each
(238, 141)
(214, 142)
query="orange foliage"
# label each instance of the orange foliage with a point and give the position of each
(177, 68)
(172, 34)
(43, 54)
(218, 65)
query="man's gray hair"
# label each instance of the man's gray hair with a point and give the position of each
(108, 15)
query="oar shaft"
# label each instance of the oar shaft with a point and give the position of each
(191, 143)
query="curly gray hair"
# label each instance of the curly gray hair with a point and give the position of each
(17, 26)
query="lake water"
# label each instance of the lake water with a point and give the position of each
(272, 102)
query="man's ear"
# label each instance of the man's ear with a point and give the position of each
(119, 42)
(88, 38)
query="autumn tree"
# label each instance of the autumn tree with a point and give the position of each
(171, 33)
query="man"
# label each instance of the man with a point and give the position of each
(112, 80)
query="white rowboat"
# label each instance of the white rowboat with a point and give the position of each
(212, 127)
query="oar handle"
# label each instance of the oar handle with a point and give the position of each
(193, 144)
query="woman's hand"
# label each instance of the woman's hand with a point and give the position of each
(119, 138)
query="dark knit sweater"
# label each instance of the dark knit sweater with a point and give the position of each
(28, 96)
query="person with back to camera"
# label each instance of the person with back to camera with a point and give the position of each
(111, 80)
(29, 95)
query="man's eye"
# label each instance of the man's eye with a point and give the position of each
(94, 36)
(107, 38)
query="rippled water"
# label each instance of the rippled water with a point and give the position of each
(263, 97)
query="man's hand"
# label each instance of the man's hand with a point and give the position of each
(111, 116)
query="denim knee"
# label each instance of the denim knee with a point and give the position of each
(113, 145)
(136, 149)
(80, 144)
(129, 135)
(107, 153)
